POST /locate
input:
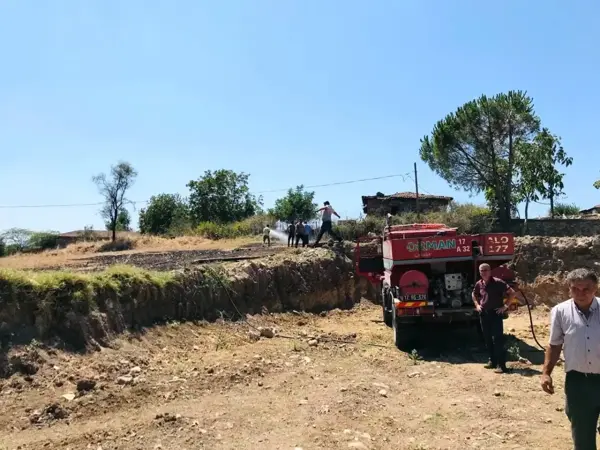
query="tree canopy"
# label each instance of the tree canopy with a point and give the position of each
(222, 196)
(16, 237)
(113, 188)
(537, 163)
(494, 145)
(164, 213)
(297, 204)
(123, 221)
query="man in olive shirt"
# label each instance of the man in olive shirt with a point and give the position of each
(488, 296)
(575, 329)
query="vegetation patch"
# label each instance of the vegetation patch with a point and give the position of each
(119, 245)
(468, 218)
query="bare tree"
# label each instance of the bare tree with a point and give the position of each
(113, 188)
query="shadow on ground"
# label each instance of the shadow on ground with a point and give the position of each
(465, 345)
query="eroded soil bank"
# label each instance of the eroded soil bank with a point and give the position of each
(83, 310)
(542, 264)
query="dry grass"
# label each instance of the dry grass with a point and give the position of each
(74, 252)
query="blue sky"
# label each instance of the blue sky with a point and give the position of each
(289, 91)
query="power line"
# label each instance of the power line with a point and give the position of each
(341, 182)
(61, 206)
(73, 205)
(420, 186)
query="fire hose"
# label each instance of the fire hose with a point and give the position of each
(541, 347)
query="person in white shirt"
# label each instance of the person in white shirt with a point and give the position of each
(267, 235)
(326, 224)
(575, 329)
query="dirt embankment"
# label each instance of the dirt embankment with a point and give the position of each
(83, 310)
(542, 264)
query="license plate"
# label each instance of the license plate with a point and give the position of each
(413, 297)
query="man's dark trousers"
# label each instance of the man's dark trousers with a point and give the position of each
(300, 237)
(327, 227)
(492, 327)
(583, 408)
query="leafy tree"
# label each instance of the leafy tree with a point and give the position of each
(222, 196)
(597, 184)
(43, 240)
(164, 213)
(297, 204)
(16, 238)
(113, 188)
(539, 176)
(123, 221)
(529, 185)
(476, 147)
(2, 247)
(552, 154)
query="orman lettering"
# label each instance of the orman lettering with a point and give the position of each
(429, 245)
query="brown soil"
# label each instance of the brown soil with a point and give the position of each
(149, 253)
(215, 386)
(166, 260)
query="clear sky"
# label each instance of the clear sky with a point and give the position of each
(290, 92)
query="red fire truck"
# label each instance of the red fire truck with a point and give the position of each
(425, 273)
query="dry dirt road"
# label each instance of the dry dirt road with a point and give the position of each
(209, 386)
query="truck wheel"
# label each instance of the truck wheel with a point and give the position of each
(399, 334)
(387, 317)
(386, 303)
(404, 335)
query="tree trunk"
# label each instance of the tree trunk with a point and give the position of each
(114, 231)
(503, 214)
(551, 200)
(508, 184)
(526, 215)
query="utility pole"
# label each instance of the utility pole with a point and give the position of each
(417, 192)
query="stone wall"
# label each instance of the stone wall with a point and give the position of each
(557, 227)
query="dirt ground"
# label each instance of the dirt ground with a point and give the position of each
(153, 255)
(214, 386)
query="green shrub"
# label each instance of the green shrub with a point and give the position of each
(11, 249)
(467, 217)
(248, 227)
(561, 209)
(213, 230)
(45, 240)
(119, 245)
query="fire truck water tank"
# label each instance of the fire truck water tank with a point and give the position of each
(414, 286)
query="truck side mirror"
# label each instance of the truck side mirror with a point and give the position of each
(475, 249)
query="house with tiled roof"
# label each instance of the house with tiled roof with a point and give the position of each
(590, 211)
(403, 202)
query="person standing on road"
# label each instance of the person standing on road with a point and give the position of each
(488, 296)
(575, 327)
(327, 225)
(267, 235)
